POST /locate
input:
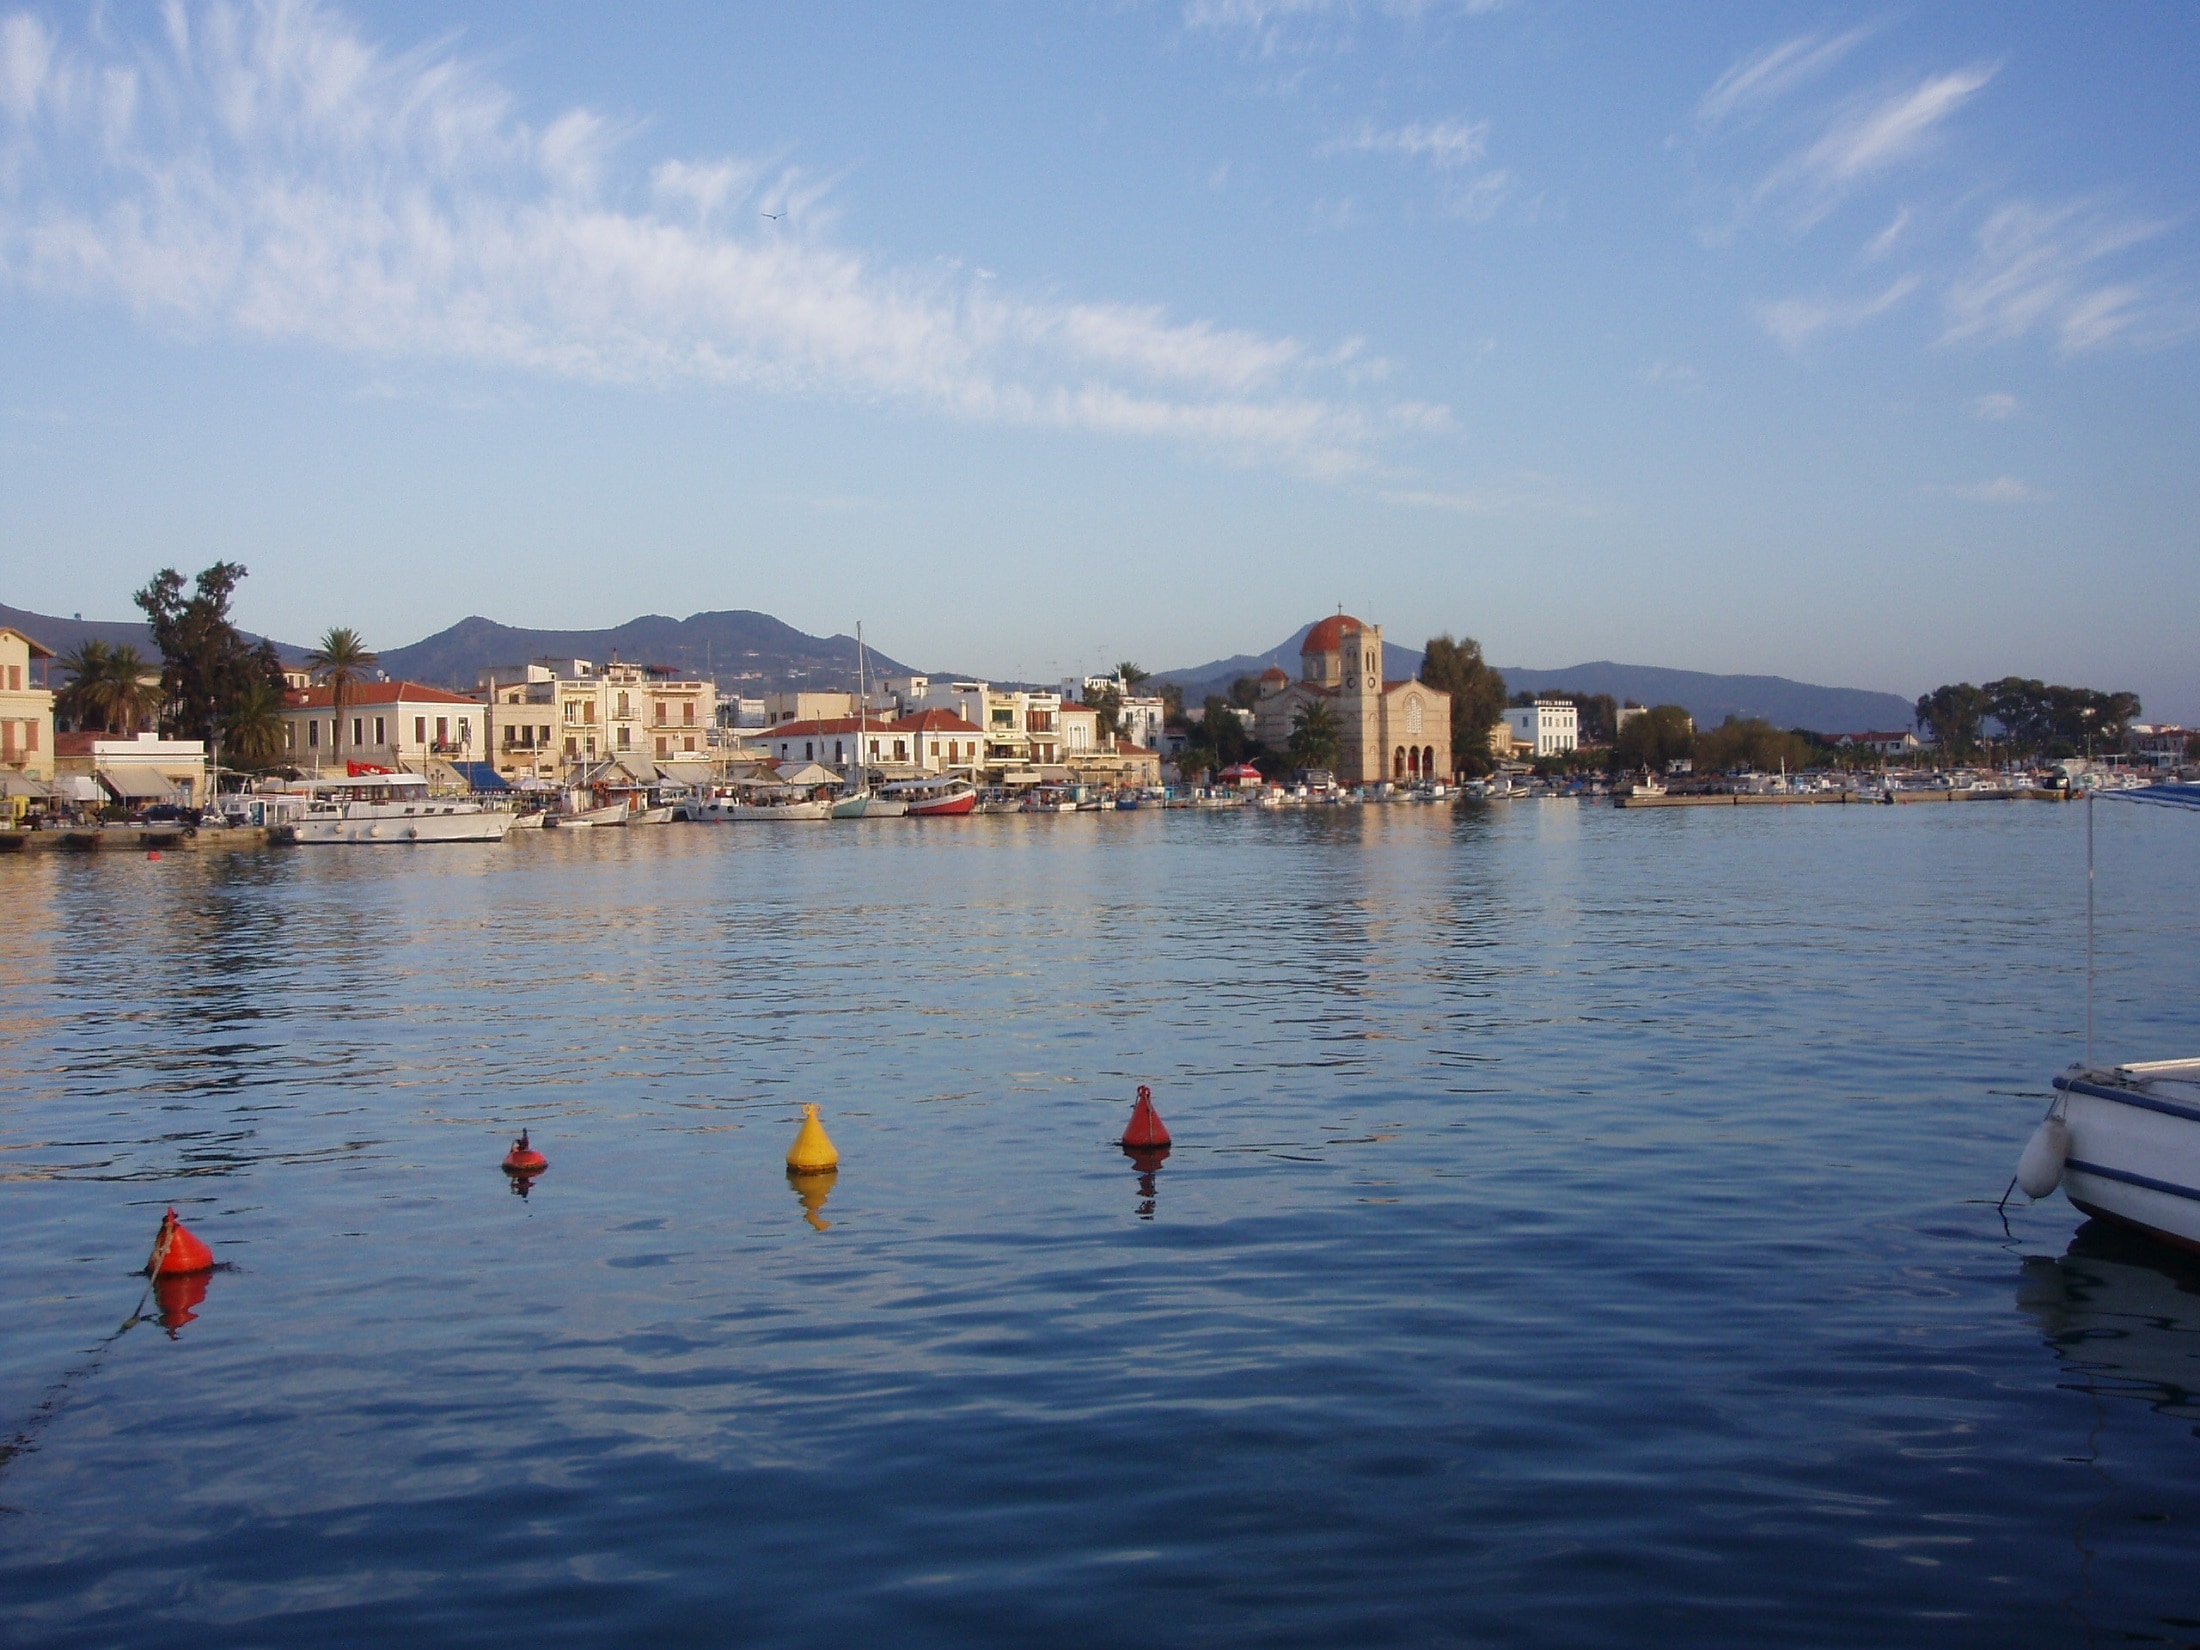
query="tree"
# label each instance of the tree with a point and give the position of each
(107, 690)
(1750, 742)
(2043, 720)
(1314, 741)
(206, 663)
(1477, 697)
(340, 660)
(1131, 676)
(1245, 692)
(1953, 716)
(254, 731)
(1661, 735)
(1109, 703)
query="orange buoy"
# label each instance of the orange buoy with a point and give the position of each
(523, 1158)
(176, 1253)
(155, 854)
(1146, 1130)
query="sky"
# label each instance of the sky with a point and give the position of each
(1850, 344)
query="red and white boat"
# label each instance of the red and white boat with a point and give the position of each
(934, 798)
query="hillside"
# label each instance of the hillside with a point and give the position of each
(1709, 698)
(752, 652)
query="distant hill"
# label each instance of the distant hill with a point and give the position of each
(1709, 698)
(65, 635)
(752, 652)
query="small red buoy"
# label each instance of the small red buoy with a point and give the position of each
(1146, 1130)
(154, 854)
(176, 1253)
(523, 1158)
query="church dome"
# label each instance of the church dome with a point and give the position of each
(1275, 673)
(1329, 635)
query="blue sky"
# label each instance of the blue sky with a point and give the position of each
(1850, 344)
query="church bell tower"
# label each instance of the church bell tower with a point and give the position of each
(1360, 705)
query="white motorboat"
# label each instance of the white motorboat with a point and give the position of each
(2123, 1141)
(934, 797)
(660, 815)
(763, 803)
(611, 813)
(870, 805)
(390, 808)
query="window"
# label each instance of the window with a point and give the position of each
(15, 678)
(358, 730)
(874, 750)
(313, 733)
(837, 757)
(624, 712)
(809, 751)
(442, 730)
(936, 748)
(1413, 715)
(420, 730)
(687, 741)
(290, 736)
(381, 730)
(465, 730)
(588, 715)
(687, 712)
(660, 713)
(660, 745)
(626, 739)
(572, 747)
(572, 710)
(901, 750)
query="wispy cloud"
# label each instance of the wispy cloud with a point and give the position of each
(2001, 490)
(268, 172)
(1795, 321)
(1764, 77)
(1995, 406)
(1270, 27)
(1446, 147)
(2054, 269)
(1868, 139)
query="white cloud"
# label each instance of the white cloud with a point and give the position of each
(1884, 242)
(1996, 406)
(2042, 268)
(1765, 77)
(272, 174)
(1272, 26)
(1868, 139)
(1444, 144)
(1795, 321)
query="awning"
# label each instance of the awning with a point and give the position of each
(22, 784)
(137, 781)
(479, 776)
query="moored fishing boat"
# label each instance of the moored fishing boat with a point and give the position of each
(766, 804)
(937, 797)
(2123, 1141)
(390, 808)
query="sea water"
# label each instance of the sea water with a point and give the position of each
(1580, 1230)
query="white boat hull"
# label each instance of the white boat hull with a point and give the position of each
(785, 812)
(400, 829)
(2134, 1155)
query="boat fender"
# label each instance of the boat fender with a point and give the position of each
(2039, 1170)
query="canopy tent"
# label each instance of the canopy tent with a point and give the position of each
(620, 772)
(23, 785)
(138, 782)
(806, 773)
(479, 776)
(685, 770)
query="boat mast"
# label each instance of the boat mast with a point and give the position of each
(863, 697)
(2089, 925)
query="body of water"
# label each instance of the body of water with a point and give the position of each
(1580, 1231)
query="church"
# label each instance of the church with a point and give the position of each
(1385, 730)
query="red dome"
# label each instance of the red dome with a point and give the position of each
(1275, 673)
(1329, 635)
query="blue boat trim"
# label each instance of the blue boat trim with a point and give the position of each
(2130, 1179)
(2128, 1097)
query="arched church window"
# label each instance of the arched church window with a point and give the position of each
(1413, 715)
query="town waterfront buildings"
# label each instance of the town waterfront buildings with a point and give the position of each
(1395, 730)
(26, 709)
(1549, 727)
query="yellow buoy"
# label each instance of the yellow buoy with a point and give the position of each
(812, 1151)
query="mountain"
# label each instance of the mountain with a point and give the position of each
(1709, 698)
(751, 652)
(65, 635)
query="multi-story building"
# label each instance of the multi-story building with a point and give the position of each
(26, 707)
(547, 717)
(1549, 727)
(402, 726)
(1138, 717)
(928, 741)
(1385, 729)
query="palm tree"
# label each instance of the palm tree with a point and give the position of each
(255, 727)
(1314, 740)
(83, 701)
(132, 700)
(1130, 676)
(340, 660)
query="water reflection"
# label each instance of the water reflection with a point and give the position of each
(2122, 1315)
(811, 1190)
(176, 1299)
(1147, 1160)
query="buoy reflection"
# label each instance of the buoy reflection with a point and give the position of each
(175, 1297)
(811, 1190)
(1147, 1160)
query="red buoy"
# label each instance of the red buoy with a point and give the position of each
(176, 1253)
(1146, 1130)
(523, 1158)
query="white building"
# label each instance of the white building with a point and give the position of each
(151, 769)
(931, 741)
(397, 725)
(1138, 717)
(1549, 727)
